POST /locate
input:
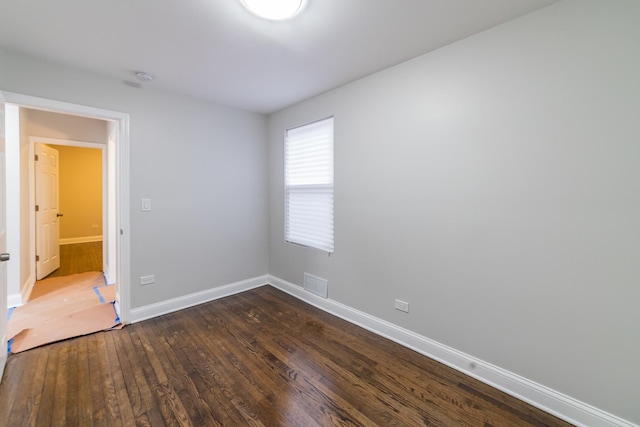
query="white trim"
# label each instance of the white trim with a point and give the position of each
(86, 239)
(110, 215)
(26, 288)
(12, 194)
(123, 252)
(67, 142)
(53, 106)
(551, 401)
(180, 303)
(122, 231)
(14, 300)
(109, 281)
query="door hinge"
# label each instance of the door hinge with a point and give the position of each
(37, 208)
(36, 157)
(37, 258)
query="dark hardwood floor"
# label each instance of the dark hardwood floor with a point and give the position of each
(79, 258)
(260, 358)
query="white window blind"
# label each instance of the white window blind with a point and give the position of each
(308, 180)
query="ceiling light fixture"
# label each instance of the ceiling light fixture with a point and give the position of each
(275, 10)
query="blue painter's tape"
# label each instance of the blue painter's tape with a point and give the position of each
(97, 291)
(116, 313)
(9, 313)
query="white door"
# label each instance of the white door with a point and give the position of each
(47, 211)
(3, 247)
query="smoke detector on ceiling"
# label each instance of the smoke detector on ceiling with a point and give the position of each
(144, 76)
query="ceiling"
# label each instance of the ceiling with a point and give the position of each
(216, 50)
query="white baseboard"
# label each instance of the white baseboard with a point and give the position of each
(86, 239)
(26, 288)
(109, 280)
(14, 300)
(551, 401)
(175, 304)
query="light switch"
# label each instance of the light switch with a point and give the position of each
(146, 205)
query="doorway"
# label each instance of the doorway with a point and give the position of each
(115, 196)
(69, 183)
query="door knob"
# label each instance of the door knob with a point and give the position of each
(59, 215)
(4, 257)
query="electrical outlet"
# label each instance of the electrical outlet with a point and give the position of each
(145, 205)
(147, 280)
(402, 306)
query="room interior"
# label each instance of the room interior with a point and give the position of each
(489, 179)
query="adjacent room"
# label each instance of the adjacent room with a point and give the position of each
(369, 212)
(65, 189)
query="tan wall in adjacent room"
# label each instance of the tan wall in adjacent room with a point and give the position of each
(80, 192)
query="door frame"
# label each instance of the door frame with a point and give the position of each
(107, 210)
(118, 150)
(4, 248)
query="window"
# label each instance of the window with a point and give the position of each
(308, 178)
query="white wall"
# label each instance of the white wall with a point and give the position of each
(62, 126)
(203, 165)
(495, 185)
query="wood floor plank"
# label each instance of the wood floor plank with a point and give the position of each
(30, 414)
(120, 410)
(15, 372)
(265, 392)
(172, 409)
(59, 414)
(27, 403)
(203, 370)
(260, 358)
(145, 408)
(85, 398)
(98, 381)
(48, 387)
(79, 258)
(209, 365)
(132, 396)
(174, 373)
(319, 401)
(72, 382)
